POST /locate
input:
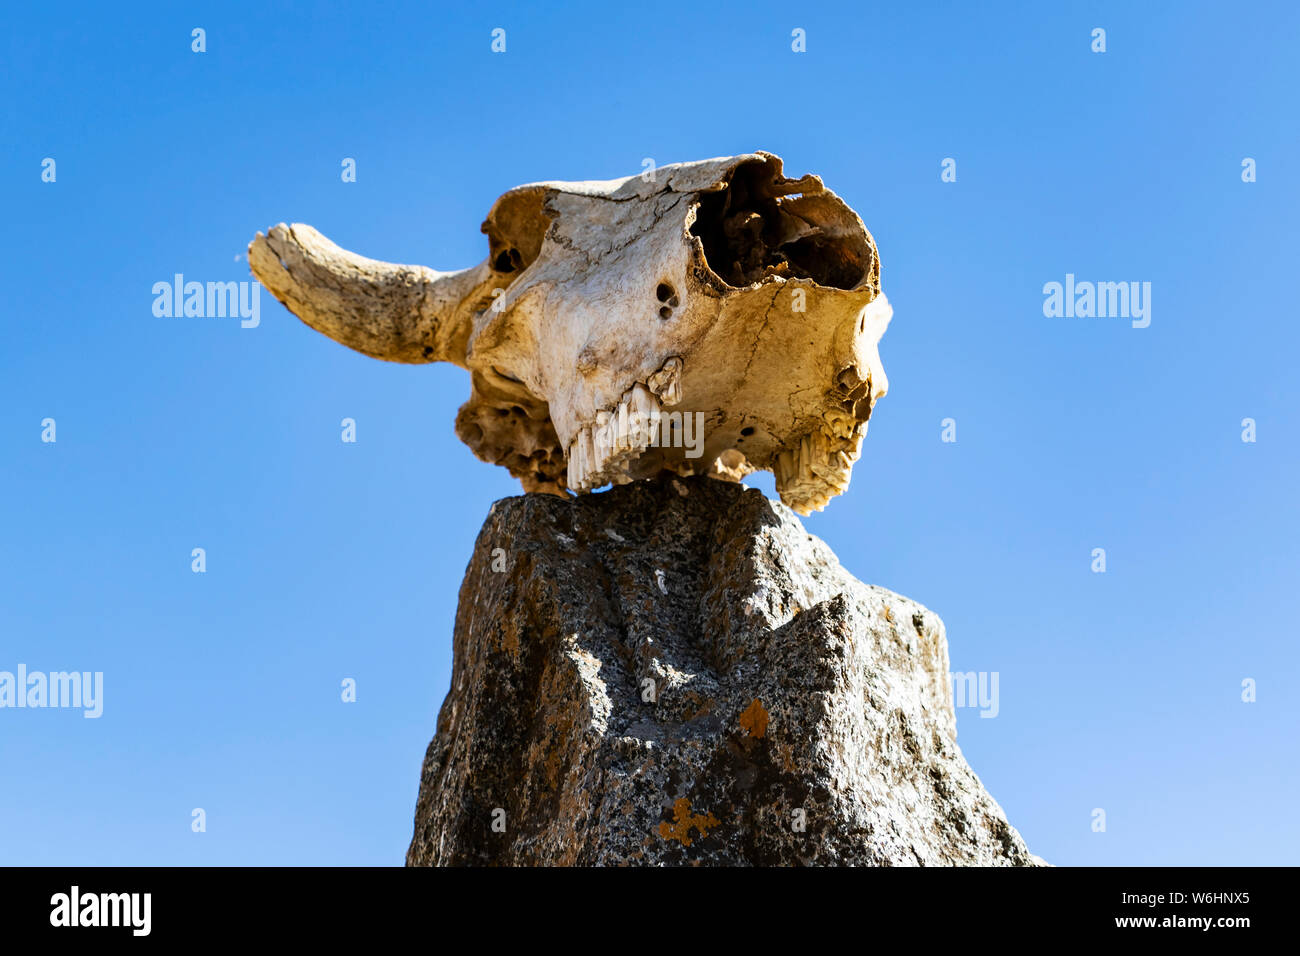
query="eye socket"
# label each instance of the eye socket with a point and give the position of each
(508, 260)
(515, 228)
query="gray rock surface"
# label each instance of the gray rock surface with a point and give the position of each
(676, 672)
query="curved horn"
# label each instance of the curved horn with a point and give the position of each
(394, 312)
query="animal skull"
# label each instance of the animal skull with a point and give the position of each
(718, 289)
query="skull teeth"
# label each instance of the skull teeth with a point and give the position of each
(815, 470)
(601, 450)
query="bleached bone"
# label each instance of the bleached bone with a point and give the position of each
(603, 308)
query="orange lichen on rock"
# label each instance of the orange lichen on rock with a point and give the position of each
(684, 820)
(754, 719)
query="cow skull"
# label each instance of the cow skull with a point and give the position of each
(611, 316)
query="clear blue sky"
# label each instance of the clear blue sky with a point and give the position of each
(1119, 691)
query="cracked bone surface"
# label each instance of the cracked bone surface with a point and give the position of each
(711, 317)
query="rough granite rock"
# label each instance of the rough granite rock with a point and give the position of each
(676, 672)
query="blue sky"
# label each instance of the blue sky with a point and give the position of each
(1119, 691)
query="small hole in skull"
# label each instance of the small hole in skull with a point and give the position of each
(664, 292)
(665, 313)
(747, 430)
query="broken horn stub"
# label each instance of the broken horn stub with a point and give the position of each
(712, 317)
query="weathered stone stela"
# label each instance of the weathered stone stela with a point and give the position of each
(676, 672)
